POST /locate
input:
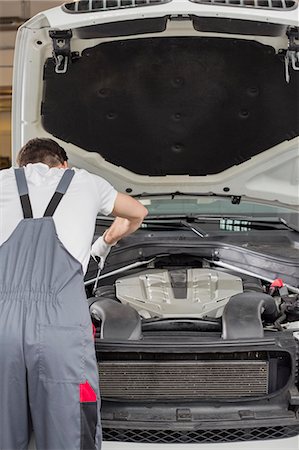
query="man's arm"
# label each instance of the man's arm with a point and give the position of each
(129, 215)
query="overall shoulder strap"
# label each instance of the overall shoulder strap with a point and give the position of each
(59, 193)
(23, 193)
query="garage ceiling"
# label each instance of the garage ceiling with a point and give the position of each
(12, 15)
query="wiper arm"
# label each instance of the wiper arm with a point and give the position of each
(198, 231)
(163, 222)
(174, 224)
(182, 220)
(291, 227)
(179, 194)
(235, 199)
(248, 220)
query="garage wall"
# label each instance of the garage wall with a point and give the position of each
(12, 15)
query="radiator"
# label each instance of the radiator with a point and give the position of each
(193, 380)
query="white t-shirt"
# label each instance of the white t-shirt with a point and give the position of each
(75, 216)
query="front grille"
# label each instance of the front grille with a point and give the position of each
(106, 5)
(173, 380)
(202, 436)
(264, 4)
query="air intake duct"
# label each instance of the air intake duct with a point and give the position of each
(243, 314)
(118, 322)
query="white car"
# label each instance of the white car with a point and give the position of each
(191, 107)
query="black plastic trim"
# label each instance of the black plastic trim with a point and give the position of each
(170, 436)
(264, 264)
(123, 28)
(237, 26)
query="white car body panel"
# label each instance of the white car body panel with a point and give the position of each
(271, 176)
(59, 19)
(286, 444)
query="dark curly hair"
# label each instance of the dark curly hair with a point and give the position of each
(41, 150)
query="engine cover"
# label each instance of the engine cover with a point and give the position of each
(178, 293)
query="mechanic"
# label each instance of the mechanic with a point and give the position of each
(48, 376)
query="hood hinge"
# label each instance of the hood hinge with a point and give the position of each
(61, 49)
(292, 53)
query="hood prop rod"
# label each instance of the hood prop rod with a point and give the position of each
(251, 274)
(115, 272)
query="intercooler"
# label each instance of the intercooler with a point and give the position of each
(192, 380)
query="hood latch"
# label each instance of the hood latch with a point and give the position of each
(292, 53)
(61, 49)
(236, 199)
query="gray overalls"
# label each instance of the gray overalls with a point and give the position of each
(48, 370)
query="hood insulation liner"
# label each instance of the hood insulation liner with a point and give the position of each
(175, 106)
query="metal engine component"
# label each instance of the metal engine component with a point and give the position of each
(158, 380)
(178, 293)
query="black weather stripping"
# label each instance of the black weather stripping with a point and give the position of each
(123, 28)
(263, 4)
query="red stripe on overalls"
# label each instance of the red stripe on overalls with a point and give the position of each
(87, 394)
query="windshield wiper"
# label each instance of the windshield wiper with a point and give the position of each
(235, 199)
(173, 224)
(178, 194)
(174, 221)
(247, 220)
(189, 221)
(162, 222)
(291, 227)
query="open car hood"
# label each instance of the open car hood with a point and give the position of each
(157, 104)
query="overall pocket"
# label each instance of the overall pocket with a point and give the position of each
(62, 353)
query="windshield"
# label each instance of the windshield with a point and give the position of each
(209, 205)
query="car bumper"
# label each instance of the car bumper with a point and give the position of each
(289, 444)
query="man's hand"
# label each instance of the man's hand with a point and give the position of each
(101, 250)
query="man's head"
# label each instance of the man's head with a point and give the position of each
(42, 150)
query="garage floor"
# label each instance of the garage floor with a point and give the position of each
(287, 444)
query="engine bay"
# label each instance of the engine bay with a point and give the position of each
(166, 298)
(178, 293)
